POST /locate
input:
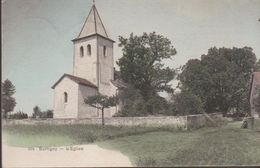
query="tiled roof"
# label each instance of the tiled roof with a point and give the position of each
(93, 26)
(76, 79)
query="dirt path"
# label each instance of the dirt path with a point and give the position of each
(66, 156)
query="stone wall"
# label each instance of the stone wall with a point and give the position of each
(191, 121)
(198, 121)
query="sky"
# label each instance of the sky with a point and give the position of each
(36, 35)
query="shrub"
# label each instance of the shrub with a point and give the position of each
(37, 113)
(187, 103)
(18, 115)
(134, 105)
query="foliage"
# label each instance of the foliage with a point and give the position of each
(101, 102)
(8, 102)
(141, 64)
(205, 147)
(75, 134)
(46, 114)
(257, 66)
(37, 113)
(220, 79)
(187, 103)
(18, 115)
(133, 104)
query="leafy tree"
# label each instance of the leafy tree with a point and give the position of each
(36, 112)
(101, 102)
(142, 63)
(187, 103)
(18, 115)
(257, 65)
(134, 105)
(220, 79)
(49, 114)
(8, 102)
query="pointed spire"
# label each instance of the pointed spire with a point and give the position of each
(93, 24)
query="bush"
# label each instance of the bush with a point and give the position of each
(37, 113)
(187, 103)
(134, 105)
(18, 115)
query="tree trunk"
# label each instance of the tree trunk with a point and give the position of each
(103, 121)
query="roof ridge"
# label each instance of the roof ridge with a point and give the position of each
(76, 79)
(93, 24)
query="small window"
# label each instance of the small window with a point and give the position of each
(65, 97)
(89, 49)
(104, 51)
(81, 51)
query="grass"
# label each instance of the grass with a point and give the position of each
(227, 145)
(150, 146)
(60, 135)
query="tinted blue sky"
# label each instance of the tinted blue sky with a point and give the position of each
(37, 34)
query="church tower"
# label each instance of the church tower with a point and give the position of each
(93, 72)
(93, 53)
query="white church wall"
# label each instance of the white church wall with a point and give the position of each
(85, 111)
(106, 66)
(86, 66)
(106, 71)
(61, 108)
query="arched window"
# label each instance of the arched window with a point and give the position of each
(65, 97)
(81, 51)
(89, 49)
(104, 51)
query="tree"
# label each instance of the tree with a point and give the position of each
(36, 112)
(257, 66)
(220, 79)
(18, 115)
(49, 114)
(187, 103)
(142, 63)
(101, 102)
(8, 102)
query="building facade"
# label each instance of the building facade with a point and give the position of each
(93, 72)
(255, 84)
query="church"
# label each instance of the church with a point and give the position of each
(93, 72)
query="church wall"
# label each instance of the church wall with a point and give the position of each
(69, 109)
(106, 66)
(106, 71)
(85, 110)
(86, 66)
(253, 96)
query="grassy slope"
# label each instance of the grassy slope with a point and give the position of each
(228, 145)
(60, 135)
